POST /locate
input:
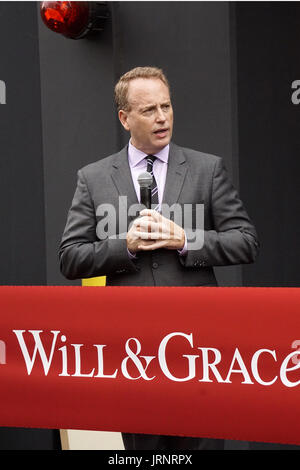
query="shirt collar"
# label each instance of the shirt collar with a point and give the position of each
(135, 156)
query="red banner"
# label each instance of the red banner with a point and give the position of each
(207, 362)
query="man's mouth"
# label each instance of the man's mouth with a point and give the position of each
(161, 132)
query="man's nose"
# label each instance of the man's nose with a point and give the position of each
(160, 115)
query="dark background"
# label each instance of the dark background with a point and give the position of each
(230, 65)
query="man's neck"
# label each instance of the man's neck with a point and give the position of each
(154, 152)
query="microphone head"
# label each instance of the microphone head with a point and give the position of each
(145, 180)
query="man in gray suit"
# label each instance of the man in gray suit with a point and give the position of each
(152, 248)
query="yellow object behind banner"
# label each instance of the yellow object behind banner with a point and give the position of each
(94, 281)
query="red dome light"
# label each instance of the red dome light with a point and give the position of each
(74, 19)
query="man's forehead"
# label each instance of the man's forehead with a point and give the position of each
(143, 91)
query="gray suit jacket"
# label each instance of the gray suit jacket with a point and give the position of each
(192, 178)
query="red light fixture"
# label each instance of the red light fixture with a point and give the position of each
(74, 20)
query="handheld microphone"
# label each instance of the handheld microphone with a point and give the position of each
(145, 181)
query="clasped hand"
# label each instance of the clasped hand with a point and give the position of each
(152, 231)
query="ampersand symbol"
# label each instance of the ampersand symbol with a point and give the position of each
(296, 345)
(136, 360)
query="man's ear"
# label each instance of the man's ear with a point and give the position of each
(123, 119)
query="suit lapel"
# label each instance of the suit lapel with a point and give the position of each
(121, 176)
(175, 175)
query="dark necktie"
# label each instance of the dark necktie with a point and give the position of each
(154, 188)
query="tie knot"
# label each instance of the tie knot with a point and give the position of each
(151, 159)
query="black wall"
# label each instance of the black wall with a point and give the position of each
(22, 209)
(23, 241)
(268, 35)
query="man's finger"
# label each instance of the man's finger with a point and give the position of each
(153, 246)
(155, 235)
(148, 226)
(151, 213)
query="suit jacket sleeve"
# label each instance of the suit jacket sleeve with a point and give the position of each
(81, 253)
(233, 239)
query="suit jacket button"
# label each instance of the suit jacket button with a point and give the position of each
(154, 265)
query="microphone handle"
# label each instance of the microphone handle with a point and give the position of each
(146, 197)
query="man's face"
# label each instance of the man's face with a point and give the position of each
(150, 119)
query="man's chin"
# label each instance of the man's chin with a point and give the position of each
(159, 144)
(154, 146)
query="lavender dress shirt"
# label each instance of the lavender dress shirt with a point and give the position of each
(138, 164)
